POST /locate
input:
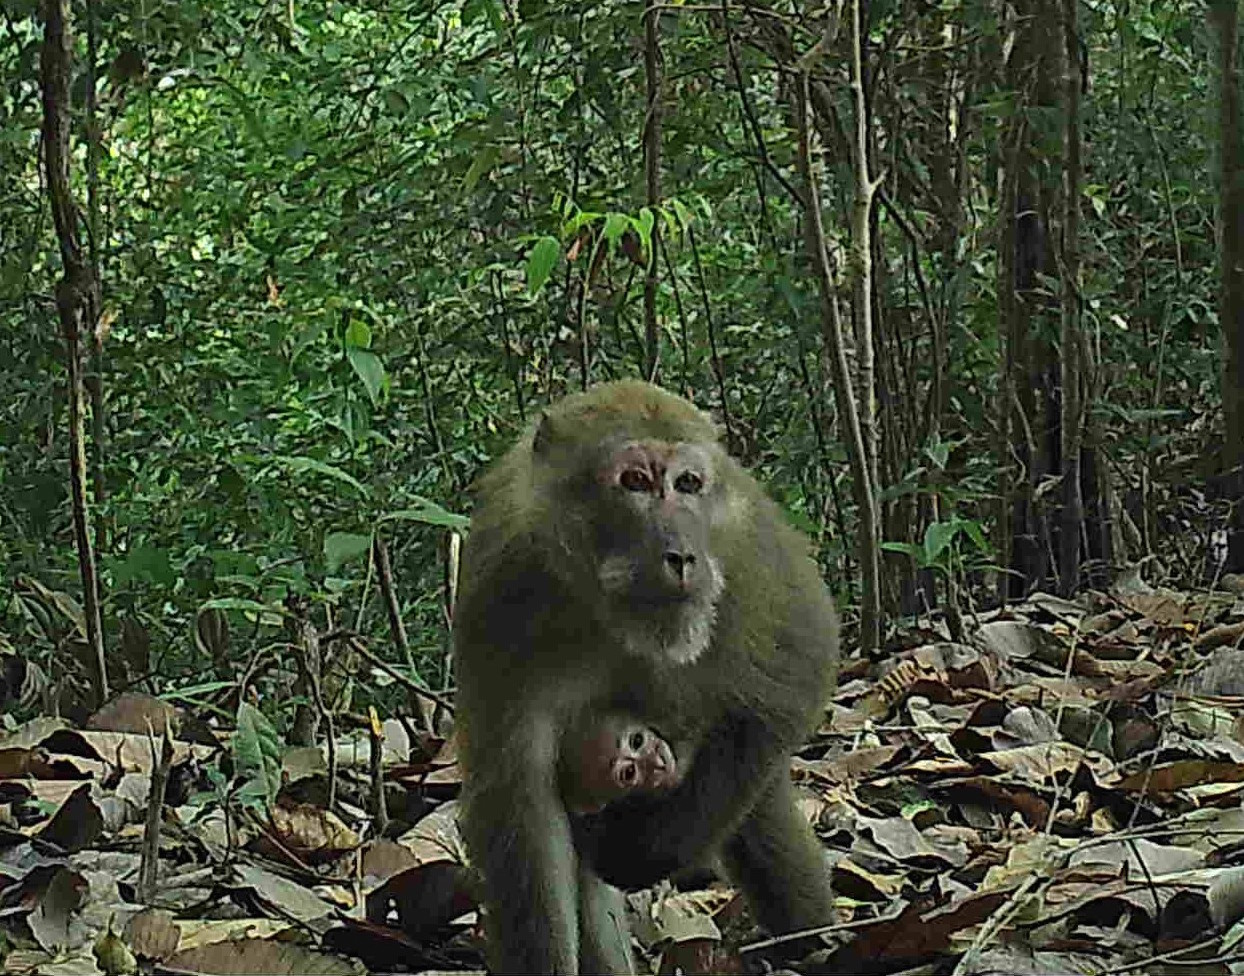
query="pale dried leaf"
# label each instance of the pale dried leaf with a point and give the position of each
(288, 896)
(1226, 897)
(263, 958)
(153, 933)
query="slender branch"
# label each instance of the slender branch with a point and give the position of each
(75, 297)
(652, 178)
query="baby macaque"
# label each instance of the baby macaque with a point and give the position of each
(615, 757)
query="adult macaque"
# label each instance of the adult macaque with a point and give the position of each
(618, 757)
(620, 563)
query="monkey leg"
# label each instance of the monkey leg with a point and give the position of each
(604, 938)
(518, 836)
(532, 920)
(780, 865)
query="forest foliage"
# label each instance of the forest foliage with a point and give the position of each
(336, 256)
(347, 250)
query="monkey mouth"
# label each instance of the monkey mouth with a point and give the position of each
(667, 628)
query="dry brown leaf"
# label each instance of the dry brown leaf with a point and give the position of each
(134, 712)
(153, 933)
(1226, 897)
(313, 834)
(1137, 858)
(668, 916)
(284, 896)
(55, 894)
(196, 933)
(424, 898)
(845, 767)
(852, 880)
(77, 824)
(382, 859)
(1186, 772)
(261, 957)
(436, 837)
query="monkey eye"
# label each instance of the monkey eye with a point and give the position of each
(637, 741)
(689, 483)
(633, 479)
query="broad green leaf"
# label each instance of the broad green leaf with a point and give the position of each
(370, 370)
(301, 465)
(939, 453)
(395, 101)
(908, 548)
(343, 547)
(615, 226)
(257, 754)
(238, 603)
(937, 537)
(430, 513)
(540, 262)
(358, 334)
(643, 227)
(977, 534)
(578, 221)
(680, 210)
(483, 162)
(145, 564)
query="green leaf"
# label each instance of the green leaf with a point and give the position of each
(939, 453)
(370, 370)
(429, 513)
(239, 603)
(937, 537)
(615, 226)
(395, 101)
(908, 548)
(308, 337)
(540, 263)
(483, 162)
(977, 534)
(301, 465)
(910, 485)
(579, 220)
(257, 754)
(193, 693)
(682, 213)
(343, 547)
(358, 334)
(643, 227)
(145, 564)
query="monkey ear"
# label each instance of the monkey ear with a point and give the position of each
(546, 434)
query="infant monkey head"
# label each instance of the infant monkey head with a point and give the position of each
(615, 757)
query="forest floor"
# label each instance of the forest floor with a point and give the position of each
(1061, 793)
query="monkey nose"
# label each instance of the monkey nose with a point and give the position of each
(679, 564)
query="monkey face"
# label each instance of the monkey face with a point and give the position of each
(642, 761)
(657, 505)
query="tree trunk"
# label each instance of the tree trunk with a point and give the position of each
(835, 345)
(1070, 341)
(1030, 437)
(1225, 16)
